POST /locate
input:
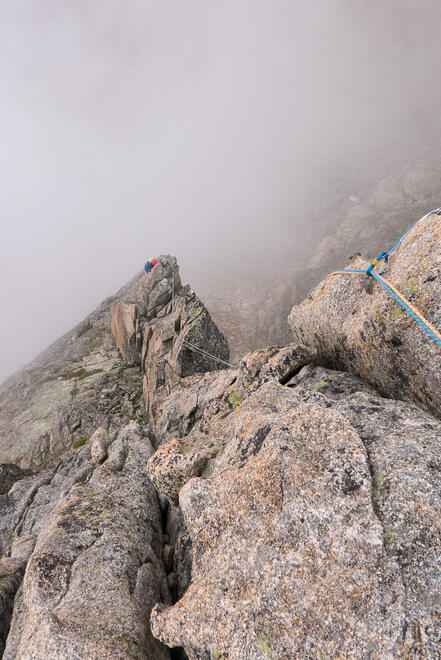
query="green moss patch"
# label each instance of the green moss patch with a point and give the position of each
(235, 398)
(263, 642)
(79, 374)
(320, 383)
(79, 442)
(377, 482)
(389, 536)
(396, 312)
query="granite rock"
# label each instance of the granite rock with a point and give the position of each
(95, 568)
(355, 325)
(316, 530)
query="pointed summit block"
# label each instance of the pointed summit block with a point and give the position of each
(151, 322)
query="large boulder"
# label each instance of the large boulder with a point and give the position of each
(355, 325)
(315, 530)
(90, 537)
(404, 455)
(209, 426)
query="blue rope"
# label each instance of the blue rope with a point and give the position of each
(394, 245)
(385, 255)
(406, 307)
(350, 270)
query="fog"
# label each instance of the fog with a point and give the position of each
(205, 129)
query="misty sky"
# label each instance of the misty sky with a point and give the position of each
(204, 129)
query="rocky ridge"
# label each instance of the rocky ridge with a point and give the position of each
(283, 509)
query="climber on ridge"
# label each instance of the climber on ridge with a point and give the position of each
(149, 264)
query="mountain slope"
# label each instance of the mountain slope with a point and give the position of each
(280, 508)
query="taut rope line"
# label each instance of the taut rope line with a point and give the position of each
(405, 304)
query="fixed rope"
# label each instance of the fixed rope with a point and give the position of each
(194, 349)
(405, 304)
(394, 245)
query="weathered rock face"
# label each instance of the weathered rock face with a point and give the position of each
(165, 360)
(144, 298)
(355, 325)
(402, 445)
(9, 474)
(306, 538)
(92, 539)
(11, 575)
(196, 399)
(180, 458)
(150, 324)
(191, 399)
